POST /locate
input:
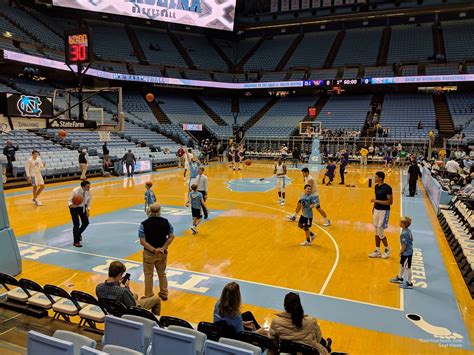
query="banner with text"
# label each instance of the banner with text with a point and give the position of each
(216, 14)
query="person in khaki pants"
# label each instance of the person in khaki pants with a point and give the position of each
(156, 235)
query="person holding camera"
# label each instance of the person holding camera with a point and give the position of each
(116, 288)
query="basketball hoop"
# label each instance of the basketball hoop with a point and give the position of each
(104, 136)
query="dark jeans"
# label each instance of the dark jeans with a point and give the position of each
(10, 161)
(130, 167)
(412, 187)
(78, 213)
(341, 172)
(204, 209)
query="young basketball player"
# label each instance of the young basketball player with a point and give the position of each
(196, 199)
(309, 180)
(33, 168)
(150, 197)
(381, 213)
(406, 254)
(193, 171)
(280, 172)
(330, 172)
(188, 156)
(306, 203)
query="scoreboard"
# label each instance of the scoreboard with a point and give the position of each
(78, 47)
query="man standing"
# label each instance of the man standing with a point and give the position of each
(180, 153)
(116, 288)
(80, 211)
(344, 160)
(9, 151)
(156, 235)
(280, 172)
(105, 151)
(413, 174)
(130, 161)
(381, 213)
(363, 156)
(452, 168)
(33, 168)
(83, 164)
(296, 156)
(202, 186)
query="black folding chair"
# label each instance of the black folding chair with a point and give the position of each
(166, 321)
(292, 347)
(65, 306)
(140, 312)
(261, 341)
(87, 299)
(113, 307)
(215, 331)
(41, 298)
(16, 293)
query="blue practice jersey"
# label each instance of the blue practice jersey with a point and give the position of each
(193, 170)
(306, 202)
(406, 238)
(195, 198)
(150, 197)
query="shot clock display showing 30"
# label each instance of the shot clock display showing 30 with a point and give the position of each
(78, 46)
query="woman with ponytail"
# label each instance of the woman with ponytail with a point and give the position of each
(294, 325)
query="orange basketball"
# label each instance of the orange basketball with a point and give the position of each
(248, 162)
(150, 97)
(77, 199)
(62, 134)
(149, 183)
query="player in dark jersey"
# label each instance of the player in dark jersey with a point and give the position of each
(381, 213)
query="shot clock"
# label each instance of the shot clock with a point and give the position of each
(78, 46)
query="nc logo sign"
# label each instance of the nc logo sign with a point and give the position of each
(29, 106)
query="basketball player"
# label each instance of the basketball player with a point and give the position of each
(193, 171)
(381, 213)
(306, 203)
(196, 199)
(80, 211)
(280, 172)
(33, 168)
(309, 180)
(188, 156)
(150, 197)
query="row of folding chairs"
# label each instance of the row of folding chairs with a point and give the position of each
(457, 221)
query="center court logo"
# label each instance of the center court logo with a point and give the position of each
(29, 106)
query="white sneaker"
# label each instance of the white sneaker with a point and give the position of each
(282, 203)
(375, 254)
(34, 201)
(292, 217)
(39, 203)
(279, 201)
(385, 254)
(312, 236)
(327, 223)
(305, 244)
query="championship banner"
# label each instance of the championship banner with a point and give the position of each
(305, 4)
(327, 3)
(274, 6)
(28, 123)
(285, 5)
(295, 4)
(4, 125)
(218, 15)
(316, 3)
(337, 2)
(349, 2)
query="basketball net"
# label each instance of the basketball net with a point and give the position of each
(104, 136)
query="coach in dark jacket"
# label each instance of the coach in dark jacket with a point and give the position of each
(130, 161)
(9, 151)
(413, 174)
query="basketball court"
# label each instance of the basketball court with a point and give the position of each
(248, 238)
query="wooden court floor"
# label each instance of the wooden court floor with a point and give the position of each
(248, 238)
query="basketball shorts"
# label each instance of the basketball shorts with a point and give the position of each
(305, 223)
(37, 180)
(405, 261)
(196, 213)
(380, 220)
(281, 183)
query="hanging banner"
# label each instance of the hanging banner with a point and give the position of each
(337, 2)
(285, 5)
(305, 4)
(274, 6)
(349, 2)
(209, 14)
(4, 125)
(295, 4)
(327, 3)
(316, 3)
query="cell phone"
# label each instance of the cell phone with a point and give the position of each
(125, 278)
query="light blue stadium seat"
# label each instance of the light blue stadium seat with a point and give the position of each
(85, 350)
(173, 343)
(77, 339)
(43, 344)
(214, 348)
(124, 333)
